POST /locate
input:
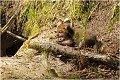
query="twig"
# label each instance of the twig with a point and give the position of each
(16, 36)
(93, 10)
(9, 22)
(7, 25)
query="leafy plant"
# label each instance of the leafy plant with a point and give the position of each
(115, 16)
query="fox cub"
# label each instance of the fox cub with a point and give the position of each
(70, 36)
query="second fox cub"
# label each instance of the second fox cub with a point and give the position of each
(71, 36)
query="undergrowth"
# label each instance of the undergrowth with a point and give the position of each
(47, 13)
(115, 17)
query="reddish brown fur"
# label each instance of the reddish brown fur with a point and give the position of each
(65, 31)
(89, 39)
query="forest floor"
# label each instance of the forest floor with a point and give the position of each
(30, 68)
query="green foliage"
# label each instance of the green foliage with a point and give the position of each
(77, 38)
(30, 16)
(115, 16)
(44, 13)
(86, 13)
(81, 12)
(76, 10)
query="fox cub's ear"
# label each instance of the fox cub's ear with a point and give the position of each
(66, 20)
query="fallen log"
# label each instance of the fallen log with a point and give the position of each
(71, 52)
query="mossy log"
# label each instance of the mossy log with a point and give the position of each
(71, 52)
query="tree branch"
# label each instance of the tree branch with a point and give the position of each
(16, 36)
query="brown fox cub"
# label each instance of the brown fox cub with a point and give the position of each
(65, 34)
(73, 36)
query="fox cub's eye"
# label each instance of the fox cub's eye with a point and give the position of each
(60, 31)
